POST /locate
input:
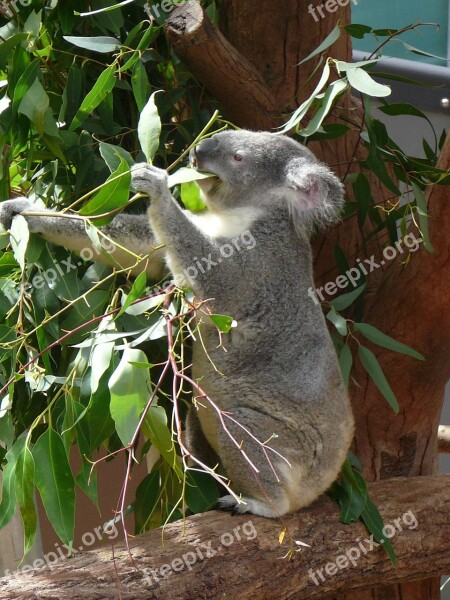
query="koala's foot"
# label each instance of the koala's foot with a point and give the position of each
(10, 208)
(149, 180)
(250, 505)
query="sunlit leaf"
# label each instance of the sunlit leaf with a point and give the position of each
(130, 392)
(99, 43)
(149, 128)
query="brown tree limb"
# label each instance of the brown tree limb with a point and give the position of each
(240, 557)
(444, 438)
(228, 75)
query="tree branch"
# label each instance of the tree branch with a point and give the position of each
(189, 561)
(228, 75)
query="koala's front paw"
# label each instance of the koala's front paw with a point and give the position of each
(149, 180)
(10, 208)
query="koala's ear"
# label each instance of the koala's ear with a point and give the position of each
(314, 194)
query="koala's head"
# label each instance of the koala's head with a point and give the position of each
(270, 170)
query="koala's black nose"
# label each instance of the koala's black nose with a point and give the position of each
(202, 150)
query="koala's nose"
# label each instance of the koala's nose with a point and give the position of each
(202, 150)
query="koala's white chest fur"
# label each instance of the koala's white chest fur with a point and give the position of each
(226, 224)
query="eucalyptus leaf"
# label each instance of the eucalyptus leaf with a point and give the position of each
(373, 368)
(381, 339)
(130, 391)
(101, 43)
(149, 128)
(102, 87)
(55, 483)
(24, 480)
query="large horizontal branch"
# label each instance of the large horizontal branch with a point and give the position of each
(214, 555)
(228, 75)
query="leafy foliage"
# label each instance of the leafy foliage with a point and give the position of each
(83, 349)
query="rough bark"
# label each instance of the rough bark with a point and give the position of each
(219, 66)
(252, 565)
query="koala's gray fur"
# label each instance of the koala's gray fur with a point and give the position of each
(278, 375)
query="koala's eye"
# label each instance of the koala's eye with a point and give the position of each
(237, 157)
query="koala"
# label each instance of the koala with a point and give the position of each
(285, 422)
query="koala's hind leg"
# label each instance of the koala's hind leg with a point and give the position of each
(264, 492)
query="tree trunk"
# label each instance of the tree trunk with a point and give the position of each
(408, 303)
(213, 555)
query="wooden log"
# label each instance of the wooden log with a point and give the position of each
(214, 555)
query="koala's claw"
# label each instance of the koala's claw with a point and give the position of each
(10, 208)
(149, 180)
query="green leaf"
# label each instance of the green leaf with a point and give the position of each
(339, 322)
(34, 105)
(105, 9)
(333, 91)
(130, 392)
(55, 483)
(147, 506)
(301, 111)
(102, 87)
(8, 503)
(374, 523)
(137, 290)
(381, 339)
(113, 194)
(361, 80)
(7, 47)
(402, 108)
(422, 52)
(201, 493)
(139, 84)
(20, 235)
(329, 131)
(354, 501)
(24, 83)
(112, 156)
(186, 175)
(24, 479)
(332, 37)
(423, 216)
(373, 368)
(101, 43)
(101, 425)
(347, 299)
(157, 431)
(345, 363)
(191, 197)
(222, 322)
(149, 128)
(357, 31)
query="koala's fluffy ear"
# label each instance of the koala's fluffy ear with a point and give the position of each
(314, 194)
